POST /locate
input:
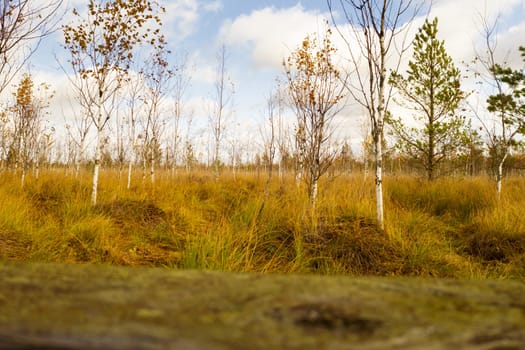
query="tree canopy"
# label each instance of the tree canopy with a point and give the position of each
(431, 88)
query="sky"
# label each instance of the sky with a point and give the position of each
(257, 36)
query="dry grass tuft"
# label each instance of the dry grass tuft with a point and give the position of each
(452, 227)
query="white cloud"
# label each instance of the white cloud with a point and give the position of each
(460, 24)
(272, 33)
(181, 18)
(213, 6)
(202, 71)
(64, 104)
(460, 28)
(508, 44)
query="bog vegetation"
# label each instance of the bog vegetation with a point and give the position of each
(127, 180)
(452, 227)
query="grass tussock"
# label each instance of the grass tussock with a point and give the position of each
(455, 228)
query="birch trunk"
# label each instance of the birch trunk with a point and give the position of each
(313, 194)
(130, 168)
(378, 137)
(499, 175)
(152, 169)
(379, 183)
(23, 177)
(37, 169)
(98, 152)
(144, 167)
(96, 169)
(216, 159)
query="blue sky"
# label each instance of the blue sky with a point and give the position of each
(259, 34)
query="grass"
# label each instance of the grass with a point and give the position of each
(453, 227)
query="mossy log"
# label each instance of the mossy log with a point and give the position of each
(50, 306)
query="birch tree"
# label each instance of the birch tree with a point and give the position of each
(101, 44)
(23, 25)
(505, 103)
(281, 134)
(157, 75)
(77, 132)
(220, 110)
(376, 32)
(316, 89)
(134, 106)
(508, 103)
(5, 137)
(28, 134)
(181, 83)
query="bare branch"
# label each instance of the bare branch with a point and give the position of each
(23, 25)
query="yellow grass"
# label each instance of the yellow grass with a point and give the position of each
(453, 227)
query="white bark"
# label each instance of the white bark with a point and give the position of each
(152, 169)
(23, 177)
(379, 184)
(98, 154)
(499, 175)
(374, 27)
(96, 170)
(378, 130)
(315, 190)
(216, 155)
(130, 168)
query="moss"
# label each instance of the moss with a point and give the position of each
(87, 307)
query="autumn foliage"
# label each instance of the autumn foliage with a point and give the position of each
(316, 89)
